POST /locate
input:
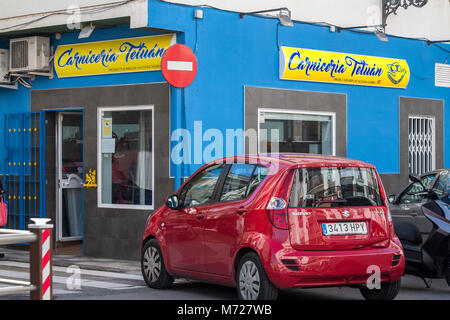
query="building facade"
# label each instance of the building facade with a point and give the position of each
(99, 145)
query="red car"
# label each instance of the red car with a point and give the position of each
(267, 222)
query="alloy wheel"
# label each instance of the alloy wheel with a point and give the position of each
(249, 281)
(152, 264)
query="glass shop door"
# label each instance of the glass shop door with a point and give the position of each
(69, 175)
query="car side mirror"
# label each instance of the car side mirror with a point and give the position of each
(391, 198)
(433, 195)
(173, 202)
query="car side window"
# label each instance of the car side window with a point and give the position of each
(427, 180)
(258, 176)
(407, 197)
(416, 187)
(442, 184)
(242, 180)
(237, 181)
(200, 190)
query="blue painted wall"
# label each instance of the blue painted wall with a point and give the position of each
(12, 101)
(233, 53)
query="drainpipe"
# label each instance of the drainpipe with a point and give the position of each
(179, 103)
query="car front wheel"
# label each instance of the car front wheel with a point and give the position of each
(388, 291)
(153, 267)
(251, 280)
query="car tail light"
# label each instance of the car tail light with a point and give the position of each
(390, 224)
(277, 213)
(388, 214)
(277, 208)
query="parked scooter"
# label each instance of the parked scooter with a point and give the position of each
(429, 259)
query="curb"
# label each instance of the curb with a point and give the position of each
(67, 263)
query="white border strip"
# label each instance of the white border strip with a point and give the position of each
(99, 162)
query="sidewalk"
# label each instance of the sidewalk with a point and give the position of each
(83, 262)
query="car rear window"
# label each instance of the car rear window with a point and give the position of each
(334, 187)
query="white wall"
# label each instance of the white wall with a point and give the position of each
(17, 8)
(21, 12)
(431, 21)
(339, 12)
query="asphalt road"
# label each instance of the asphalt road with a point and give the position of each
(412, 289)
(101, 285)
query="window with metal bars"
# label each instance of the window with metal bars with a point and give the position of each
(421, 144)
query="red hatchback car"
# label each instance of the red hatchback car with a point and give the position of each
(268, 222)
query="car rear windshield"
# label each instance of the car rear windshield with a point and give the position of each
(335, 187)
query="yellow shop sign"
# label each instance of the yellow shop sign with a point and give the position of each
(112, 56)
(334, 67)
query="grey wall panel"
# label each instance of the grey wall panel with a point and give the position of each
(391, 183)
(416, 107)
(421, 107)
(257, 97)
(396, 182)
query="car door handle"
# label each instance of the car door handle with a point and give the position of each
(241, 211)
(199, 216)
(191, 211)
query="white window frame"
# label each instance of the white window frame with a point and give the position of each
(100, 110)
(304, 112)
(59, 189)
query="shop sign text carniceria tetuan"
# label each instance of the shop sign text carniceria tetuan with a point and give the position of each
(334, 67)
(112, 56)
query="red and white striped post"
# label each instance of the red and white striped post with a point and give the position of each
(41, 260)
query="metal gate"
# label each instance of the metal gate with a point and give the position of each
(24, 179)
(421, 144)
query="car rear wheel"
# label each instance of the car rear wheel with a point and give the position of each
(252, 282)
(388, 291)
(153, 267)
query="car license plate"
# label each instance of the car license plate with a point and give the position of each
(344, 228)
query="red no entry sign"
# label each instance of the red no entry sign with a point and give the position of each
(179, 65)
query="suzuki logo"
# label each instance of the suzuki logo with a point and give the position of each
(346, 214)
(301, 213)
(379, 211)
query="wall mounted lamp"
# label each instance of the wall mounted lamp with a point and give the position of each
(284, 15)
(86, 31)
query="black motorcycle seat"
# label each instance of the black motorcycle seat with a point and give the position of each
(408, 231)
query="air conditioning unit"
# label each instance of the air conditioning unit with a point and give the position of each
(4, 66)
(29, 54)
